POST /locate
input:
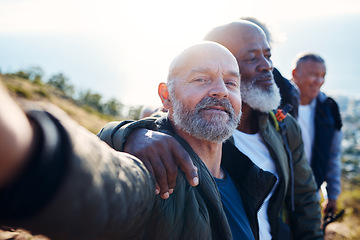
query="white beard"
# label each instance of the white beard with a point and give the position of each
(191, 121)
(260, 99)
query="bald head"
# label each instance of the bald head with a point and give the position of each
(201, 57)
(235, 35)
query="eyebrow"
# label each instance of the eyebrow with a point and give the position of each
(235, 74)
(257, 50)
(206, 70)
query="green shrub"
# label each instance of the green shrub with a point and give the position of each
(42, 92)
(19, 91)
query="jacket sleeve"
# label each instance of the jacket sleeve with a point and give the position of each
(100, 193)
(115, 133)
(333, 175)
(305, 220)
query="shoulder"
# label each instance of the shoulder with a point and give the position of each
(289, 121)
(292, 126)
(282, 82)
(333, 107)
(293, 131)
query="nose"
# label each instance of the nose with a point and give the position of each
(219, 89)
(265, 64)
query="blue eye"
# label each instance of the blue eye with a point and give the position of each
(199, 80)
(231, 84)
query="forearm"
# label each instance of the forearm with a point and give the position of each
(101, 193)
(115, 134)
(40, 174)
(333, 175)
(15, 140)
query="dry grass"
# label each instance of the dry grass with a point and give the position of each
(23, 90)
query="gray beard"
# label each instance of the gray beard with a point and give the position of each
(216, 129)
(260, 99)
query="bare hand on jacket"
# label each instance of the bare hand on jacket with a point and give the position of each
(162, 155)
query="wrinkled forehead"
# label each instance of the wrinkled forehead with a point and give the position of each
(212, 58)
(249, 41)
(239, 36)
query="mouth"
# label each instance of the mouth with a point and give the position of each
(266, 79)
(216, 108)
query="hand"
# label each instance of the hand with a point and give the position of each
(329, 205)
(15, 138)
(162, 155)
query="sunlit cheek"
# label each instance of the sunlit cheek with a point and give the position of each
(236, 103)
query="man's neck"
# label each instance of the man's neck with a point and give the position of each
(305, 101)
(249, 120)
(209, 152)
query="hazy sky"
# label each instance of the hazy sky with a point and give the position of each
(122, 49)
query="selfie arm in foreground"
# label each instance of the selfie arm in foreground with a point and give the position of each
(60, 180)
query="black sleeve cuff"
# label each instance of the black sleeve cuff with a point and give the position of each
(43, 173)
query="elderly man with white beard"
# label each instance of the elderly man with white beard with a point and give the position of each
(257, 140)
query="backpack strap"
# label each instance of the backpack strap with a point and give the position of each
(278, 117)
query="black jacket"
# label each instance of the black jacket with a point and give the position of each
(289, 93)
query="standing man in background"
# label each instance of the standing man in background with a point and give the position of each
(320, 122)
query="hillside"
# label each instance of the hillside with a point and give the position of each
(24, 91)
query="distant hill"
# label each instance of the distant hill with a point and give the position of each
(24, 91)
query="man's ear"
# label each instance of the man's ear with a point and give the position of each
(164, 95)
(294, 74)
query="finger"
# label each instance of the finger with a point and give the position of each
(165, 195)
(171, 169)
(151, 170)
(186, 164)
(160, 175)
(157, 188)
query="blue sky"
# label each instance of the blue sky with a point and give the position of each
(123, 48)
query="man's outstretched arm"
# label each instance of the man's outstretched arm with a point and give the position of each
(64, 182)
(161, 153)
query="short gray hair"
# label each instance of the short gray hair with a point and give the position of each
(303, 57)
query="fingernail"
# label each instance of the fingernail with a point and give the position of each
(171, 190)
(165, 195)
(195, 181)
(157, 191)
